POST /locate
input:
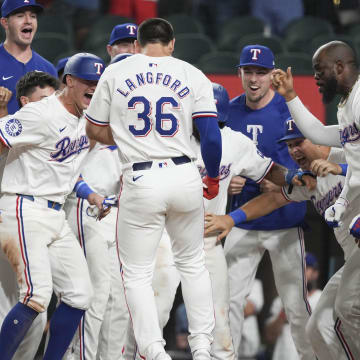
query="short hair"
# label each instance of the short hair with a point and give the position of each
(155, 30)
(28, 83)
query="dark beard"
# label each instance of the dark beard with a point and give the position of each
(330, 91)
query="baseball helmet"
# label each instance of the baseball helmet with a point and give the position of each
(222, 102)
(119, 57)
(84, 66)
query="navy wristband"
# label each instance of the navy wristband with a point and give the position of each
(82, 190)
(238, 216)
(343, 169)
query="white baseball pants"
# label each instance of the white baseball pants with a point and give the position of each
(244, 250)
(45, 253)
(102, 330)
(167, 195)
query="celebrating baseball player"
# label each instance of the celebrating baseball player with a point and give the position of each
(47, 142)
(19, 20)
(31, 87)
(149, 100)
(336, 72)
(254, 166)
(324, 328)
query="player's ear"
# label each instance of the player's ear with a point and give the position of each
(137, 47)
(339, 67)
(24, 100)
(109, 48)
(4, 22)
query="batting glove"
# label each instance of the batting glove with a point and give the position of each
(292, 173)
(111, 200)
(211, 188)
(334, 213)
(354, 227)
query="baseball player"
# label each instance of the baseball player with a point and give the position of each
(324, 327)
(31, 87)
(148, 100)
(102, 330)
(47, 142)
(336, 72)
(260, 114)
(122, 39)
(254, 166)
(19, 20)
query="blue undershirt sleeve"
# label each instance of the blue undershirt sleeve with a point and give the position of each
(210, 143)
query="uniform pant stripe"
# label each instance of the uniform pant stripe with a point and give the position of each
(23, 249)
(80, 340)
(342, 340)
(303, 265)
(80, 225)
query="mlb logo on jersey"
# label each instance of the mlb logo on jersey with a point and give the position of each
(163, 164)
(152, 65)
(257, 55)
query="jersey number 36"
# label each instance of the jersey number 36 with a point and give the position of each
(160, 117)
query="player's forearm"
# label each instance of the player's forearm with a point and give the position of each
(263, 205)
(311, 127)
(277, 174)
(3, 111)
(101, 134)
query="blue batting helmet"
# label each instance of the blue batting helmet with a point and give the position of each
(222, 102)
(84, 66)
(119, 57)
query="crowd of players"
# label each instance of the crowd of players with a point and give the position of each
(61, 174)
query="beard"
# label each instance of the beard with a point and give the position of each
(330, 90)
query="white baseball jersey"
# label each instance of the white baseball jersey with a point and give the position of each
(102, 169)
(46, 146)
(158, 125)
(327, 190)
(240, 156)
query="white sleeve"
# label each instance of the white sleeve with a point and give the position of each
(204, 105)
(298, 194)
(98, 111)
(311, 127)
(27, 126)
(351, 187)
(275, 309)
(250, 160)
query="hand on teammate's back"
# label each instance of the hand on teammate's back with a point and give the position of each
(283, 83)
(211, 188)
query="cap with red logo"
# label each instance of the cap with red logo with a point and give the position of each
(257, 55)
(10, 6)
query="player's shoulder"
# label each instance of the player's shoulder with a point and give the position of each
(237, 100)
(43, 64)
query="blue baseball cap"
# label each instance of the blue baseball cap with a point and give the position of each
(119, 57)
(257, 55)
(291, 131)
(9, 6)
(311, 260)
(61, 64)
(122, 32)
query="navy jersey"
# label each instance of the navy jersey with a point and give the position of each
(265, 127)
(11, 70)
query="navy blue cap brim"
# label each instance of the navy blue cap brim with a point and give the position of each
(258, 65)
(121, 39)
(290, 137)
(38, 8)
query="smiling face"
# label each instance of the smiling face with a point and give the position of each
(256, 82)
(21, 27)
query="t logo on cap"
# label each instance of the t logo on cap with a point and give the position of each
(132, 29)
(290, 124)
(255, 53)
(99, 67)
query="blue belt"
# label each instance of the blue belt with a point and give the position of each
(51, 204)
(147, 164)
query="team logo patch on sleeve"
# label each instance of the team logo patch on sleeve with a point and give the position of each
(13, 127)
